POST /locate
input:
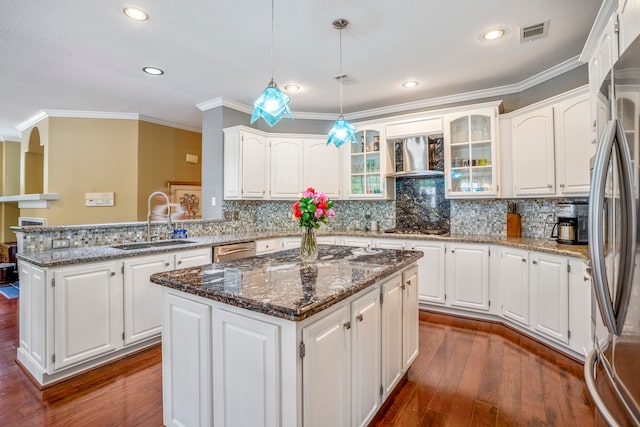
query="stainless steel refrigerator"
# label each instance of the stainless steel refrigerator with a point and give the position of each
(612, 369)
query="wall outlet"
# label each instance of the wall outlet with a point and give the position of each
(213, 201)
(59, 243)
(236, 215)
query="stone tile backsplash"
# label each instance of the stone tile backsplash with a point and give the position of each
(467, 217)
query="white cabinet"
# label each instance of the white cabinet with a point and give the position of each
(366, 164)
(551, 147)
(431, 271)
(550, 296)
(365, 363)
(246, 389)
(410, 320)
(268, 246)
(326, 370)
(514, 282)
(573, 147)
(583, 311)
(468, 276)
(143, 299)
(471, 156)
(361, 242)
(192, 258)
(533, 153)
(392, 339)
(286, 167)
(389, 244)
(88, 313)
(246, 164)
(322, 168)
(629, 17)
(186, 362)
(32, 318)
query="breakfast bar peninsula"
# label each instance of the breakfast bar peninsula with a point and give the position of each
(272, 341)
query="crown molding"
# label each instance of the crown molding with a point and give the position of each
(169, 124)
(41, 115)
(532, 81)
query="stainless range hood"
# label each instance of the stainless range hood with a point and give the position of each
(415, 159)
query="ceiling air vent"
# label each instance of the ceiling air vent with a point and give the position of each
(534, 32)
(346, 79)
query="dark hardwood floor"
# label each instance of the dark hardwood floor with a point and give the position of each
(468, 373)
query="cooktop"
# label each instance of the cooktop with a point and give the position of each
(432, 231)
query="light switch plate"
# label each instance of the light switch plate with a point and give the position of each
(59, 243)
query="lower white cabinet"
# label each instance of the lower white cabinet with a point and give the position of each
(468, 276)
(550, 296)
(514, 283)
(410, 320)
(361, 242)
(431, 271)
(88, 313)
(74, 318)
(390, 244)
(186, 362)
(268, 246)
(392, 346)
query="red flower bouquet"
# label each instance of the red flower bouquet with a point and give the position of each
(313, 208)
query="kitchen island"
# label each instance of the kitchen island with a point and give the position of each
(270, 341)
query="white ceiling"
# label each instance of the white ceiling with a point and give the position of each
(87, 55)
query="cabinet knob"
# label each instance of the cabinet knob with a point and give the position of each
(549, 185)
(166, 264)
(524, 260)
(359, 317)
(403, 286)
(534, 262)
(453, 251)
(347, 325)
(113, 273)
(179, 262)
(561, 185)
(587, 278)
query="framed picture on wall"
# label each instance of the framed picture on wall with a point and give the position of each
(186, 198)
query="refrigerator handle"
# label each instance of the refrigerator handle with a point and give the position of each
(628, 229)
(596, 225)
(590, 380)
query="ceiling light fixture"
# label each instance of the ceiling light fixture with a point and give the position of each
(342, 130)
(292, 88)
(272, 105)
(135, 13)
(493, 34)
(410, 84)
(153, 71)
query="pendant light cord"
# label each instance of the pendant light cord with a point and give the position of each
(341, 75)
(272, 36)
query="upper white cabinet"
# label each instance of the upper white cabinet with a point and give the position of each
(573, 146)
(413, 127)
(259, 165)
(551, 147)
(322, 167)
(533, 158)
(471, 157)
(246, 164)
(286, 167)
(367, 163)
(629, 18)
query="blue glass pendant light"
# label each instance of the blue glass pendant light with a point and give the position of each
(342, 130)
(272, 105)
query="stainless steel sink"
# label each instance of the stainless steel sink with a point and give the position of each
(148, 245)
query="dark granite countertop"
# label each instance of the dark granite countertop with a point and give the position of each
(280, 285)
(62, 257)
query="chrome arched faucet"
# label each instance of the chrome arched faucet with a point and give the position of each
(151, 196)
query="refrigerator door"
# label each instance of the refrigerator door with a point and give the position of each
(612, 371)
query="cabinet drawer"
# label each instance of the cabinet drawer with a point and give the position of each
(267, 246)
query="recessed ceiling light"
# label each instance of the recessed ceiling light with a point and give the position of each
(410, 84)
(493, 34)
(153, 70)
(135, 13)
(292, 88)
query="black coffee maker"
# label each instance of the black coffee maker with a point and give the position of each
(571, 227)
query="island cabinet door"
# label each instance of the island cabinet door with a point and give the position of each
(186, 362)
(410, 316)
(326, 370)
(392, 342)
(246, 360)
(88, 313)
(143, 299)
(365, 360)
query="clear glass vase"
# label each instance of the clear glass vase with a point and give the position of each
(308, 245)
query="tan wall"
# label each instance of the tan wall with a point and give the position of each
(86, 156)
(161, 157)
(10, 176)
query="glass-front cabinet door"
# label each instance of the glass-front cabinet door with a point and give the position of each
(471, 154)
(367, 165)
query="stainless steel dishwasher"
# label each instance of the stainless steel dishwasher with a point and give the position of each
(234, 251)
